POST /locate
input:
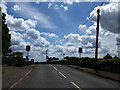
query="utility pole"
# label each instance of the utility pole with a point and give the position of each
(46, 56)
(118, 43)
(97, 34)
(63, 56)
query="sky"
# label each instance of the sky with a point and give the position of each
(59, 28)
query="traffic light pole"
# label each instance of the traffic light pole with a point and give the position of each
(79, 55)
(28, 54)
(46, 56)
(97, 34)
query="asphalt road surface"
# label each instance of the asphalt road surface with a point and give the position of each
(60, 76)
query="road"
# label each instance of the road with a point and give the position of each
(60, 76)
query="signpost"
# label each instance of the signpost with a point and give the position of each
(27, 49)
(80, 51)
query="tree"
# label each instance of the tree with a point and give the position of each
(6, 37)
(17, 55)
(107, 56)
(115, 56)
(53, 58)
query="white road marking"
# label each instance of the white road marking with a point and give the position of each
(62, 75)
(19, 80)
(50, 65)
(55, 68)
(76, 86)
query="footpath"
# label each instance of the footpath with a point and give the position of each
(109, 75)
(12, 74)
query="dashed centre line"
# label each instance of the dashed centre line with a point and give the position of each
(66, 77)
(59, 72)
(76, 86)
(62, 75)
(50, 65)
(55, 68)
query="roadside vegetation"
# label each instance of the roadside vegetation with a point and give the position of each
(108, 63)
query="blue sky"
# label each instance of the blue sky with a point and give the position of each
(44, 25)
(65, 22)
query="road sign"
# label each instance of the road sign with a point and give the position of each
(80, 50)
(28, 48)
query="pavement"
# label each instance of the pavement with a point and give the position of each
(12, 74)
(113, 76)
(57, 76)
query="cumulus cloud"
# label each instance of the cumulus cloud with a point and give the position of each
(118, 40)
(57, 7)
(83, 41)
(49, 5)
(19, 24)
(72, 50)
(51, 35)
(91, 30)
(108, 17)
(70, 2)
(20, 46)
(58, 48)
(16, 38)
(108, 33)
(41, 42)
(32, 34)
(16, 8)
(64, 7)
(17, 42)
(4, 7)
(69, 44)
(82, 27)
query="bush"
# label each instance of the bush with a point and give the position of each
(110, 65)
(109, 61)
(20, 62)
(107, 56)
(87, 62)
(73, 59)
(29, 62)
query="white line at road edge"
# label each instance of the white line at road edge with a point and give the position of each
(76, 86)
(62, 75)
(19, 80)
